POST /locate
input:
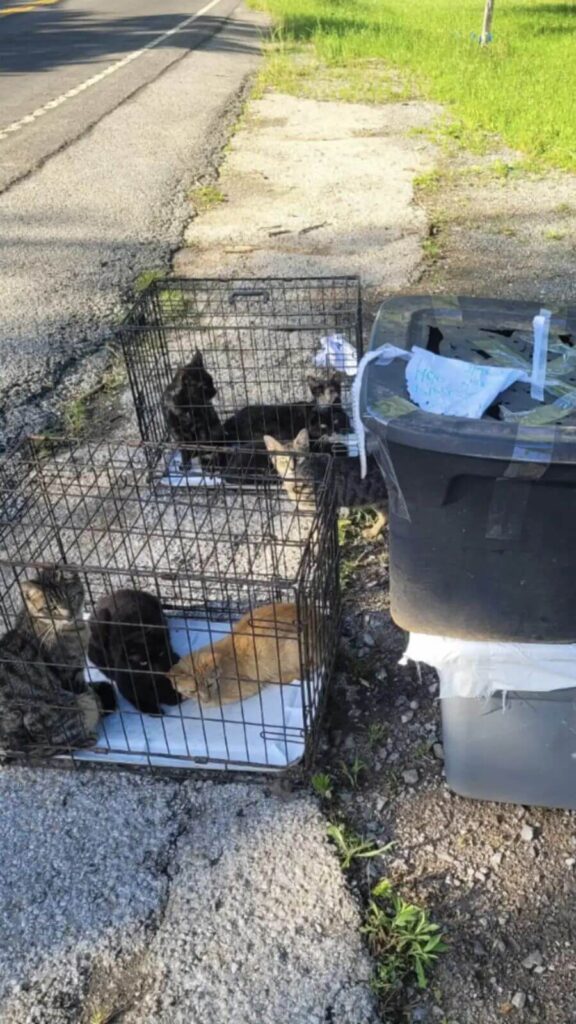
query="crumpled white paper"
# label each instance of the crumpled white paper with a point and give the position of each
(336, 352)
(480, 668)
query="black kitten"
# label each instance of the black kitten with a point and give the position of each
(187, 404)
(129, 642)
(285, 421)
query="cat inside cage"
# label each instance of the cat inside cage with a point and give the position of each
(186, 628)
(225, 363)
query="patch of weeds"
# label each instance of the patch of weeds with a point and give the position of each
(75, 414)
(171, 301)
(377, 732)
(298, 70)
(348, 567)
(428, 181)
(506, 230)
(146, 278)
(432, 245)
(108, 1016)
(115, 376)
(421, 750)
(353, 771)
(564, 209)
(453, 135)
(322, 785)
(403, 940)
(205, 197)
(554, 235)
(351, 847)
(351, 525)
(431, 249)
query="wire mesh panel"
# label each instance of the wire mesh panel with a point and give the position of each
(176, 627)
(199, 351)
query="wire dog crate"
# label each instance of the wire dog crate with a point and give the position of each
(258, 340)
(92, 526)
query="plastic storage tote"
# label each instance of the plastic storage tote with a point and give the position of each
(508, 717)
(482, 511)
(519, 747)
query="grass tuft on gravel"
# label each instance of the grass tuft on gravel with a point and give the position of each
(402, 938)
(520, 87)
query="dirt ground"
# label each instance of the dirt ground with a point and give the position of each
(499, 879)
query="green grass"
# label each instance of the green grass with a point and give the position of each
(403, 940)
(322, 785)
(520, 87)
(205, 197)
(146, 277)
(351, 847)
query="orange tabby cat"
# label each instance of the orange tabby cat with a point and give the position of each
(262, 648)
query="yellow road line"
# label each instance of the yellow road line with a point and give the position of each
(33, 6)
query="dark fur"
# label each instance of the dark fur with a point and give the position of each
(325, 390)
(187, 404)
(46, 707)
(285, 421)
(130, 643)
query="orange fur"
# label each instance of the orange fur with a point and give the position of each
(262, 648)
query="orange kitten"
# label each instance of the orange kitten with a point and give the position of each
(262, 648)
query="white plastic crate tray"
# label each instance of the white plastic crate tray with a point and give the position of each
(262, 732)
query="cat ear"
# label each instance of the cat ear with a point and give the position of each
(301, 442)
(272, 445)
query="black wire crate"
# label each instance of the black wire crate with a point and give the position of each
(193, 626)
(198, 352)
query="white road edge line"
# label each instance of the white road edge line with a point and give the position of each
(17, 125)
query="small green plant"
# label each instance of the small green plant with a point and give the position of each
(554, 235)
(353, 771)
(205, 197)
(75, 414)
(115, 376)
(432, 246)
(348, 567)
(351, 525)
(322, 785)
(377, 732)
(428, 181)
(108, 1016)
(402, 938)
(351, 847)
(146, 277)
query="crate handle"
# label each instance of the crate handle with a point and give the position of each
(249, 293)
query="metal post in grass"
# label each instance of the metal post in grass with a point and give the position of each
(486, 36)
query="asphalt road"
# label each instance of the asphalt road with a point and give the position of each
(64, 65)
(95, 187)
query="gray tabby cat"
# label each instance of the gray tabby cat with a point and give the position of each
(302, 476)
(46, 707)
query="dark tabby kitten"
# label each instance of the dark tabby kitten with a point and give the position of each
(301, 476)
(187, 403)
(130, 643)
(325, 390)
(46, 707)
